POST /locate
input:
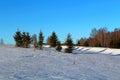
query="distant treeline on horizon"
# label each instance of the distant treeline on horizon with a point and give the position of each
(102, 38)
(98, 38)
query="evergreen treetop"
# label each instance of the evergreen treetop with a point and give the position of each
(69, 44)
(53, 39)
(41, 39)
(69, 41)
(18, 39)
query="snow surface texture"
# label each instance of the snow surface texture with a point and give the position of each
(84, 64)
(96, 50)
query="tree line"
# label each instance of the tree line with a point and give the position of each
(102, 38)
(23, 39)
(98, 38)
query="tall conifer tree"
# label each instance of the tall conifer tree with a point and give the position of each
(41, 39)
(18, 39)
(53, 39)
(69, 44)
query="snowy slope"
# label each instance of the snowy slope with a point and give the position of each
(31, 64)
(97, 50)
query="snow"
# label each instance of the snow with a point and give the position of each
(97, 50)
(86, 63)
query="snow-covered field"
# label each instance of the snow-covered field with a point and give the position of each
(84, 64)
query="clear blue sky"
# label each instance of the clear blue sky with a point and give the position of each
(77, 17)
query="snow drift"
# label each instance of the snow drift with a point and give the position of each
(97, 50)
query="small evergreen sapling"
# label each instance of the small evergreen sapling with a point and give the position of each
(69, 44)
(58, 48)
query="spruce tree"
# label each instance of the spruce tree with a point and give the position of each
(26, 39)
(53, 39)
(69, 44)
(41, 39)
(18, 39)
(58, 48)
